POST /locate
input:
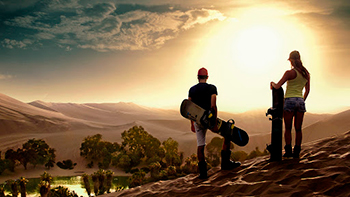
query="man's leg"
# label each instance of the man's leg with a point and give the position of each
(202, 164)
(200, 153)
(226, 163)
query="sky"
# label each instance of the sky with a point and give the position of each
(148, 52)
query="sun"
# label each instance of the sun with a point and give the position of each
(247, 51)
(256, 47)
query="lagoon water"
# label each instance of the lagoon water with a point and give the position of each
(73, 183)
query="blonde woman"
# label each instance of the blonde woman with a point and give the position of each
(297, 79)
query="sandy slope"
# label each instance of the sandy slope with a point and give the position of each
(64, 126)
(108, 113)
(323, 170)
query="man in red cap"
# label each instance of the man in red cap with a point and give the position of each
(204, 95)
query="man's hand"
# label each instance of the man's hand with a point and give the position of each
(215, 129)
(192, 127)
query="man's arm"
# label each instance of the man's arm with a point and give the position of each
(214, 110)
(213, 105)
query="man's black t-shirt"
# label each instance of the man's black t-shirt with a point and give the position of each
(201, 94)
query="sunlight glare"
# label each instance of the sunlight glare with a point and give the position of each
(250, 50)
(256, 47)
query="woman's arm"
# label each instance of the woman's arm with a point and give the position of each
(307, 89)
(287, 76)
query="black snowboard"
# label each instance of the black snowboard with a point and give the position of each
(276, 112)
(202, 117)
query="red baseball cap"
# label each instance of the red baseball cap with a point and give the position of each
(202, 72)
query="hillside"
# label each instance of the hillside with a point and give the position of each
(18, 117)
(331, 126)
(323, 170)
(107, 113)
(65, 125)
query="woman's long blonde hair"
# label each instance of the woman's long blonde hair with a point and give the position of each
(294, 58)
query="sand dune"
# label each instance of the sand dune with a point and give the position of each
(256, 122)
(108, 113)
(330, 126)
(323, 170)
(64, 125)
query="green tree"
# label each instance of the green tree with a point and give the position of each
(101, 180)
(172, 155)
(45, 184)
(4, 163)
(12, 157)
(191, 164)
(154, 169)
(122, 161)
(87, 184)
(98, 151)
(137, 178)
(2, 191)
(106, 158)
(13, 187)
(171, 171)
(36, 152)
(89, 148)
(109, 179)
(51, 159)
(22, 183)
(138, 145)
(95, 182)
(44, 189)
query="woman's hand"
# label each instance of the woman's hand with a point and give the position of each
(272, 85)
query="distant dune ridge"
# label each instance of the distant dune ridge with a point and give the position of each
(64, 125)
(323, 170)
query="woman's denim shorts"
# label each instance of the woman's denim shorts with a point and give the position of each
(294, 104)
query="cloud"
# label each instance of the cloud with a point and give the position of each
(5, 76)
(104, 26)
(11, 44)
(45, 36)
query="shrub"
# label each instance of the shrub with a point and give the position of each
(66, 164)
(137, 178)
(61, 191)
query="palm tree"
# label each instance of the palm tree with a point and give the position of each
(101, 180)
(45, 184)
(44, 189)
(95, 180)
(46, 177)
(87, 184)
(13, 185)
(109, 175)
(22, 183)
(2, 191)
